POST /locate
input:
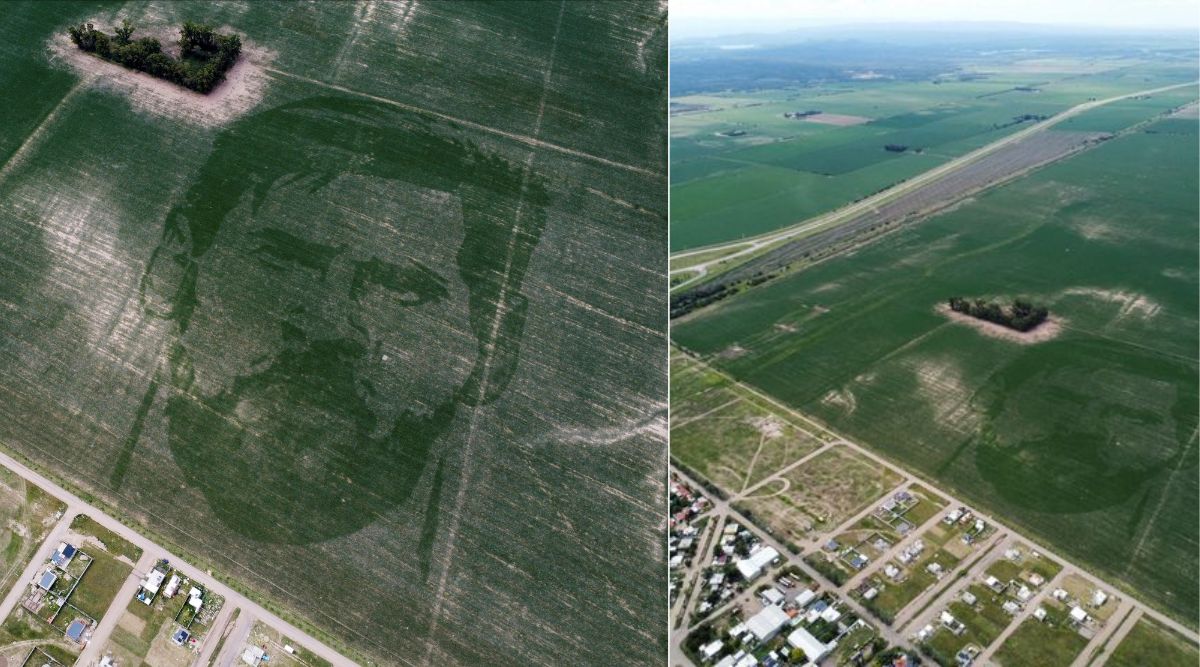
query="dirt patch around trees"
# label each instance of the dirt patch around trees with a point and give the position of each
(1045, 331)
(841, 120)
(243, 88)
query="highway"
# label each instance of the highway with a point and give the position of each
(754, 244)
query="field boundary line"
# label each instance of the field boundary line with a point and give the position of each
(18, 155)
(460, 496)
(525, 139)
(685, 422)
(1162, 500)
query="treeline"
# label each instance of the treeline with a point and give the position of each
(1021, 315)
(206, 55)
(686, 302)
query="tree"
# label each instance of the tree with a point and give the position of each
(124, 32)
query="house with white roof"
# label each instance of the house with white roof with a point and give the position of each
(752, 566)
(814, 649)
(767, 623)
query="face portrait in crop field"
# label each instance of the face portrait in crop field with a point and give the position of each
(335, 305)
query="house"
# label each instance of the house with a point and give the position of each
(1039, 614)
(76, 629)
(805, 597)
(1023, 594)
(1060, 594)
(753, 565)
(253, 655)
(767, 623)
(47, 581)
(1099, 598)
(1010, 607)
(814, 649)
(1079, 615)
(871, 593)
(968, 597)
(891, 571)
(1037, 579)
(711, 649)
(831, 615)
(151, 584)
(195, 599)
(952, 624)
(994, 584)
(172, 586)
(772, 596)
(180, 637)
(63, 555)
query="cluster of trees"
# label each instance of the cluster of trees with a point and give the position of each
(206, 54)
(1021, 316)
(686, 302)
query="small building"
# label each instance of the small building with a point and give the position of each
(1060, 594)
(1011, 608)
(47, 581)
(180, 637)
(1099, 598)
(1039, 613)
(63, 554)
(752, 566)
(994, 584)
(814, 649)
(711, 649)
(151, 584)
(804, 598)
(831, 615)
(969, 598)
(172, 586)
(767, 623)
(195, 599)
(952, 624)
(772, 596)
(1079, 615)
(76, 629)
(1024, 593)
(1037, 579)
(871, 593)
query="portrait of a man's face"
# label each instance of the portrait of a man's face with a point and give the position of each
(323, 349)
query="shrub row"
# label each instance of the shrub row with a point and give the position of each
(206, 55)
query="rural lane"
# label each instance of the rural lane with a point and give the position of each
(76, 505)
(90, 657)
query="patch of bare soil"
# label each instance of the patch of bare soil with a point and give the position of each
(243, 88)
(841, 120)
(769, 427)
(1039, 334)
(732, 352)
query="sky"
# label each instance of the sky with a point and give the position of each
(710, 18)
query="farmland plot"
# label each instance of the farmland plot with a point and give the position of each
(1088, 440)
(399, 323)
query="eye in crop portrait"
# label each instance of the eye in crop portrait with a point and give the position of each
(333, 333)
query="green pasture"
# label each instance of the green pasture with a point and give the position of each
(1087, 440)
(1149, 644)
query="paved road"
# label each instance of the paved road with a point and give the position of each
(90, 657)
(754, 244)
(76, 505)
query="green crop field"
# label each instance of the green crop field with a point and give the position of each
(376, 330)
(1149, 644)
(781, 171)
(1087, 440)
